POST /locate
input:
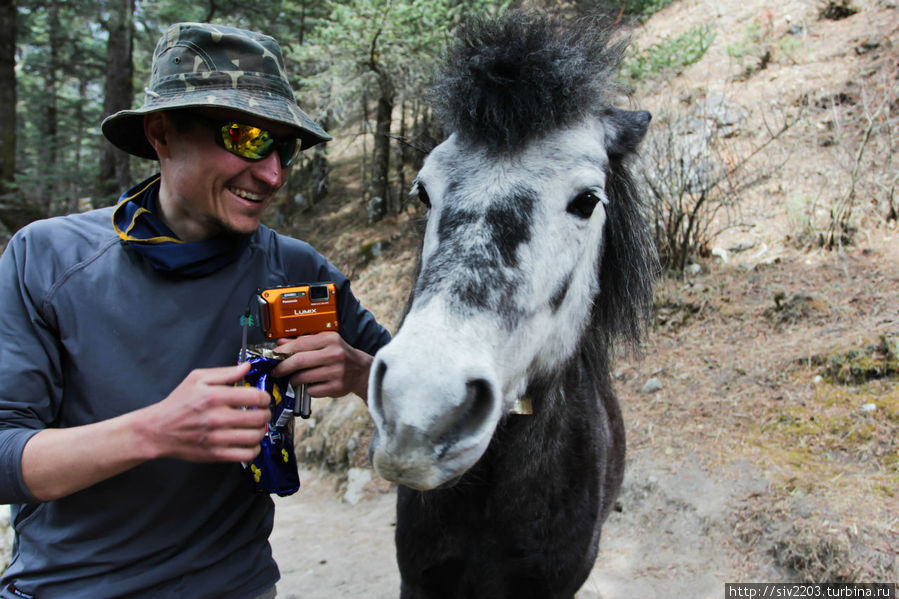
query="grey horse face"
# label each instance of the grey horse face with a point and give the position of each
(509, 274)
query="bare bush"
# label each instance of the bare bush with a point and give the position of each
(697, 168)
(867, 135)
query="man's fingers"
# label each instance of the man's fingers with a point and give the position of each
(222, 375)
(230, 418)
(234, 454)
(242, 397)
(308, 343)
(328, 353)
(236, 437)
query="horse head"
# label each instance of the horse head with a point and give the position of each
(535, 243)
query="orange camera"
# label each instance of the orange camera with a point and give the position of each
(298, 310)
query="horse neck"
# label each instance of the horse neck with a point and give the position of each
(565, 407)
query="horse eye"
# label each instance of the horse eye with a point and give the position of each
(423, 195)
(583, 205)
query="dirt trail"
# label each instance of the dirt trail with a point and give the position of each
(328, 548)
(672, 537)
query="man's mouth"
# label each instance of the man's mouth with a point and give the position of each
(247, 195)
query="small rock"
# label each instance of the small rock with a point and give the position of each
(869, 407)
(652, 385)
(355, 487)
(6, 535)
(720, 253)
(741, 247)
(867, 46)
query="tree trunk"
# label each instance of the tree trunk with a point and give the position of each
(363, 167)
(50, 133)
(7, 95)
(115, 169)
(320, 170)
(380, 178)
(401, 194)
(14, 213)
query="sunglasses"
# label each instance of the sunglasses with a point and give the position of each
(250, 142)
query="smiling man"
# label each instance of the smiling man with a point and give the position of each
(121, 429)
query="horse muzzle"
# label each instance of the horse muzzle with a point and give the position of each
(435, 411)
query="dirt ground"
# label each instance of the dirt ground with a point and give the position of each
(768, 451)
(671, 538)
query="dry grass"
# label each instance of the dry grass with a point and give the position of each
(749, 377)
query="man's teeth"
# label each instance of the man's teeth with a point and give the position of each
(255, 197)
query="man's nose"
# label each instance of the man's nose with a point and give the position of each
(269, 170)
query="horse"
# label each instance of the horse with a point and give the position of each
(493, 405)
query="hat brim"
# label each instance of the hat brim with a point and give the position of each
(125, 129)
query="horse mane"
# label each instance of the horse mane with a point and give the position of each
(507, 81)
(628, 268)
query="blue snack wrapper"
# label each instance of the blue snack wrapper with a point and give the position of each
(274, 470)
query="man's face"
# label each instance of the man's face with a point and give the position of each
(207, 190)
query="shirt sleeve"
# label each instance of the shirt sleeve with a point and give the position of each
(362, 330)
(30, 363)
(302, 263)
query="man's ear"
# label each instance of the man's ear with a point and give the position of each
(155, 128)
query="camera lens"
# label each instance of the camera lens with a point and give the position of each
(318, 293)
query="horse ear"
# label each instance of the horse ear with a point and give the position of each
(627, 129)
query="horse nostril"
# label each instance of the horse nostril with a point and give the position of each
(374, 400)
(478, 396)
(469, 416)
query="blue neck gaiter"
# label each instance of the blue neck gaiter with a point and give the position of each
(136, 222)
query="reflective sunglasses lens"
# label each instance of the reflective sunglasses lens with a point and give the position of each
(254, 143)
(247, 141)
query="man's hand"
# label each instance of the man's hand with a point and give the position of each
(326, 364)
(207, 419)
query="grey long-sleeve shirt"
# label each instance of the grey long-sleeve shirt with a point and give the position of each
(89, 331)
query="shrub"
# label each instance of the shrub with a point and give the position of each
(696, 173)
(669, 55)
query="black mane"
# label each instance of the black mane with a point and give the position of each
(510, 80)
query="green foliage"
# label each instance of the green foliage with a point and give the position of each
(401, 38)
(55, 158)
(789, 46)
(635, 8)
(750, 43)
(381, 52)
(857, 366)
(645, 7)
(669, 55)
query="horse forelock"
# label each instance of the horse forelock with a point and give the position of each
(508, 81)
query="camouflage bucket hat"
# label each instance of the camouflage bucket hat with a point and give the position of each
(198, 64)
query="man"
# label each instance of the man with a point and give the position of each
(121, 430)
